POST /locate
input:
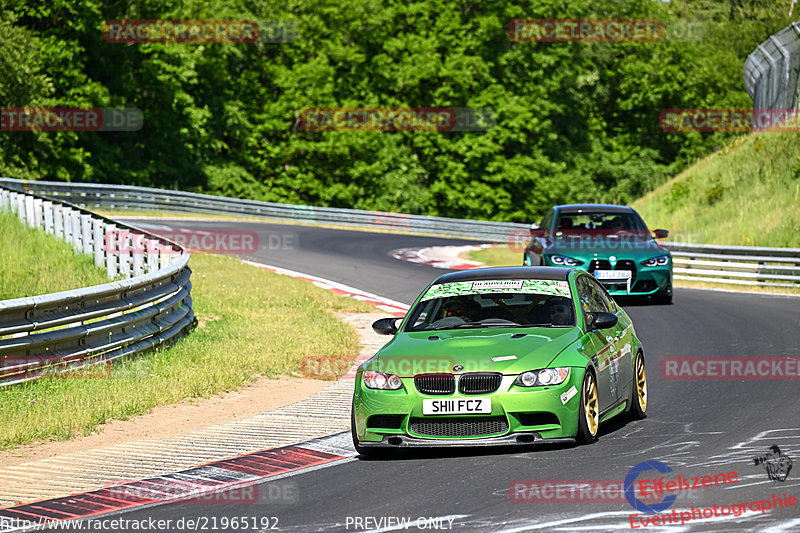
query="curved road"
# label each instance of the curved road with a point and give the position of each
(696, 427)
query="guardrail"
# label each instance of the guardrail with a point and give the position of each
(148, 305)
(131, 197)
(739, 265)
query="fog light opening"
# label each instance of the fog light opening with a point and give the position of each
(526, 438)
(395, 441)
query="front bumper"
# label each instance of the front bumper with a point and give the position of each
(535, 413)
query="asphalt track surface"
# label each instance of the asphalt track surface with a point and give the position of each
(695, 427)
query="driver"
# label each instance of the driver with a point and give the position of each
(559, 310)
(460, 308)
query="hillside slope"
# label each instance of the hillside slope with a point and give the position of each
(747, 194)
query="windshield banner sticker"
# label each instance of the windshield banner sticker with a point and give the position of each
(463, 288)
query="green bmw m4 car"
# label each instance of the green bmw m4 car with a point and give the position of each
(611, 242)
(499, 356)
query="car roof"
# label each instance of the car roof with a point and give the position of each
(517, 272)
(611, 208)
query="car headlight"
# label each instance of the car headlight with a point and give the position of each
(542, 378)
(381, 381)
(564, 260)
(656, 261)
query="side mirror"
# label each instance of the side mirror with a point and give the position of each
(601, 321)
(386, 326)
(660, 233)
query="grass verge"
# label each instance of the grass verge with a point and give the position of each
(252, 323)
(745, 194)
(33, 262)
(500, 255)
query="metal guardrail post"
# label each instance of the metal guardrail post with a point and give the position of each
(97, 242)
(111, 245)
(58, 221)
(37, 213)
(86, 234)
(29, 211)
(47, 207)
(75, 224)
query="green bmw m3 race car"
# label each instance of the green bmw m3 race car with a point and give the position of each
(611, 242)
(499, 356)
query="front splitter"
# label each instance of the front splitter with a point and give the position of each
(515, 439)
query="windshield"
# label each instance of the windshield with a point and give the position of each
(601, 221)
(493, 304)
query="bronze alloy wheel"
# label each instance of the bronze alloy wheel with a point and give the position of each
(590, 404)
(641, 384)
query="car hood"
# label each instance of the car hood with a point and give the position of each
(506, 350)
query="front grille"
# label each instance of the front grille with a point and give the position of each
(479, 382)
(435, 383)
(599, 264)
(459, 427)
(627, 264)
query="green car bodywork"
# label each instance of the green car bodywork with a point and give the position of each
(594, 246)
(519, 414)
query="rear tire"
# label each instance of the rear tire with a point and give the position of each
(639, 393)
(588, 414)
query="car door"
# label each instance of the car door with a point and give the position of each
(598, 344)
(621, 361)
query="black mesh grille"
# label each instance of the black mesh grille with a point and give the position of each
(435, 383)
(459, 427)
(479, 382)
(599, 264)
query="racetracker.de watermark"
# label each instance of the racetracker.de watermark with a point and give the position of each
(730, 368)
(568, 490)
(396, 119)
(26, 367)
(729, 120)
(275, 492)
(520, 240)
(180, 31)
(586, 30)
(70, 119)
(196, 241)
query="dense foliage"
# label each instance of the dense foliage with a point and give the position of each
(574, 121)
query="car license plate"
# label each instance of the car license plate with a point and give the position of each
(456, 406)
(608, 275)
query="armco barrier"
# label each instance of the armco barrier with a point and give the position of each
(130, 197)
(66, 331)
(771, 267)
(740, 265)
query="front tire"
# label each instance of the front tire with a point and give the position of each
(589, 413)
